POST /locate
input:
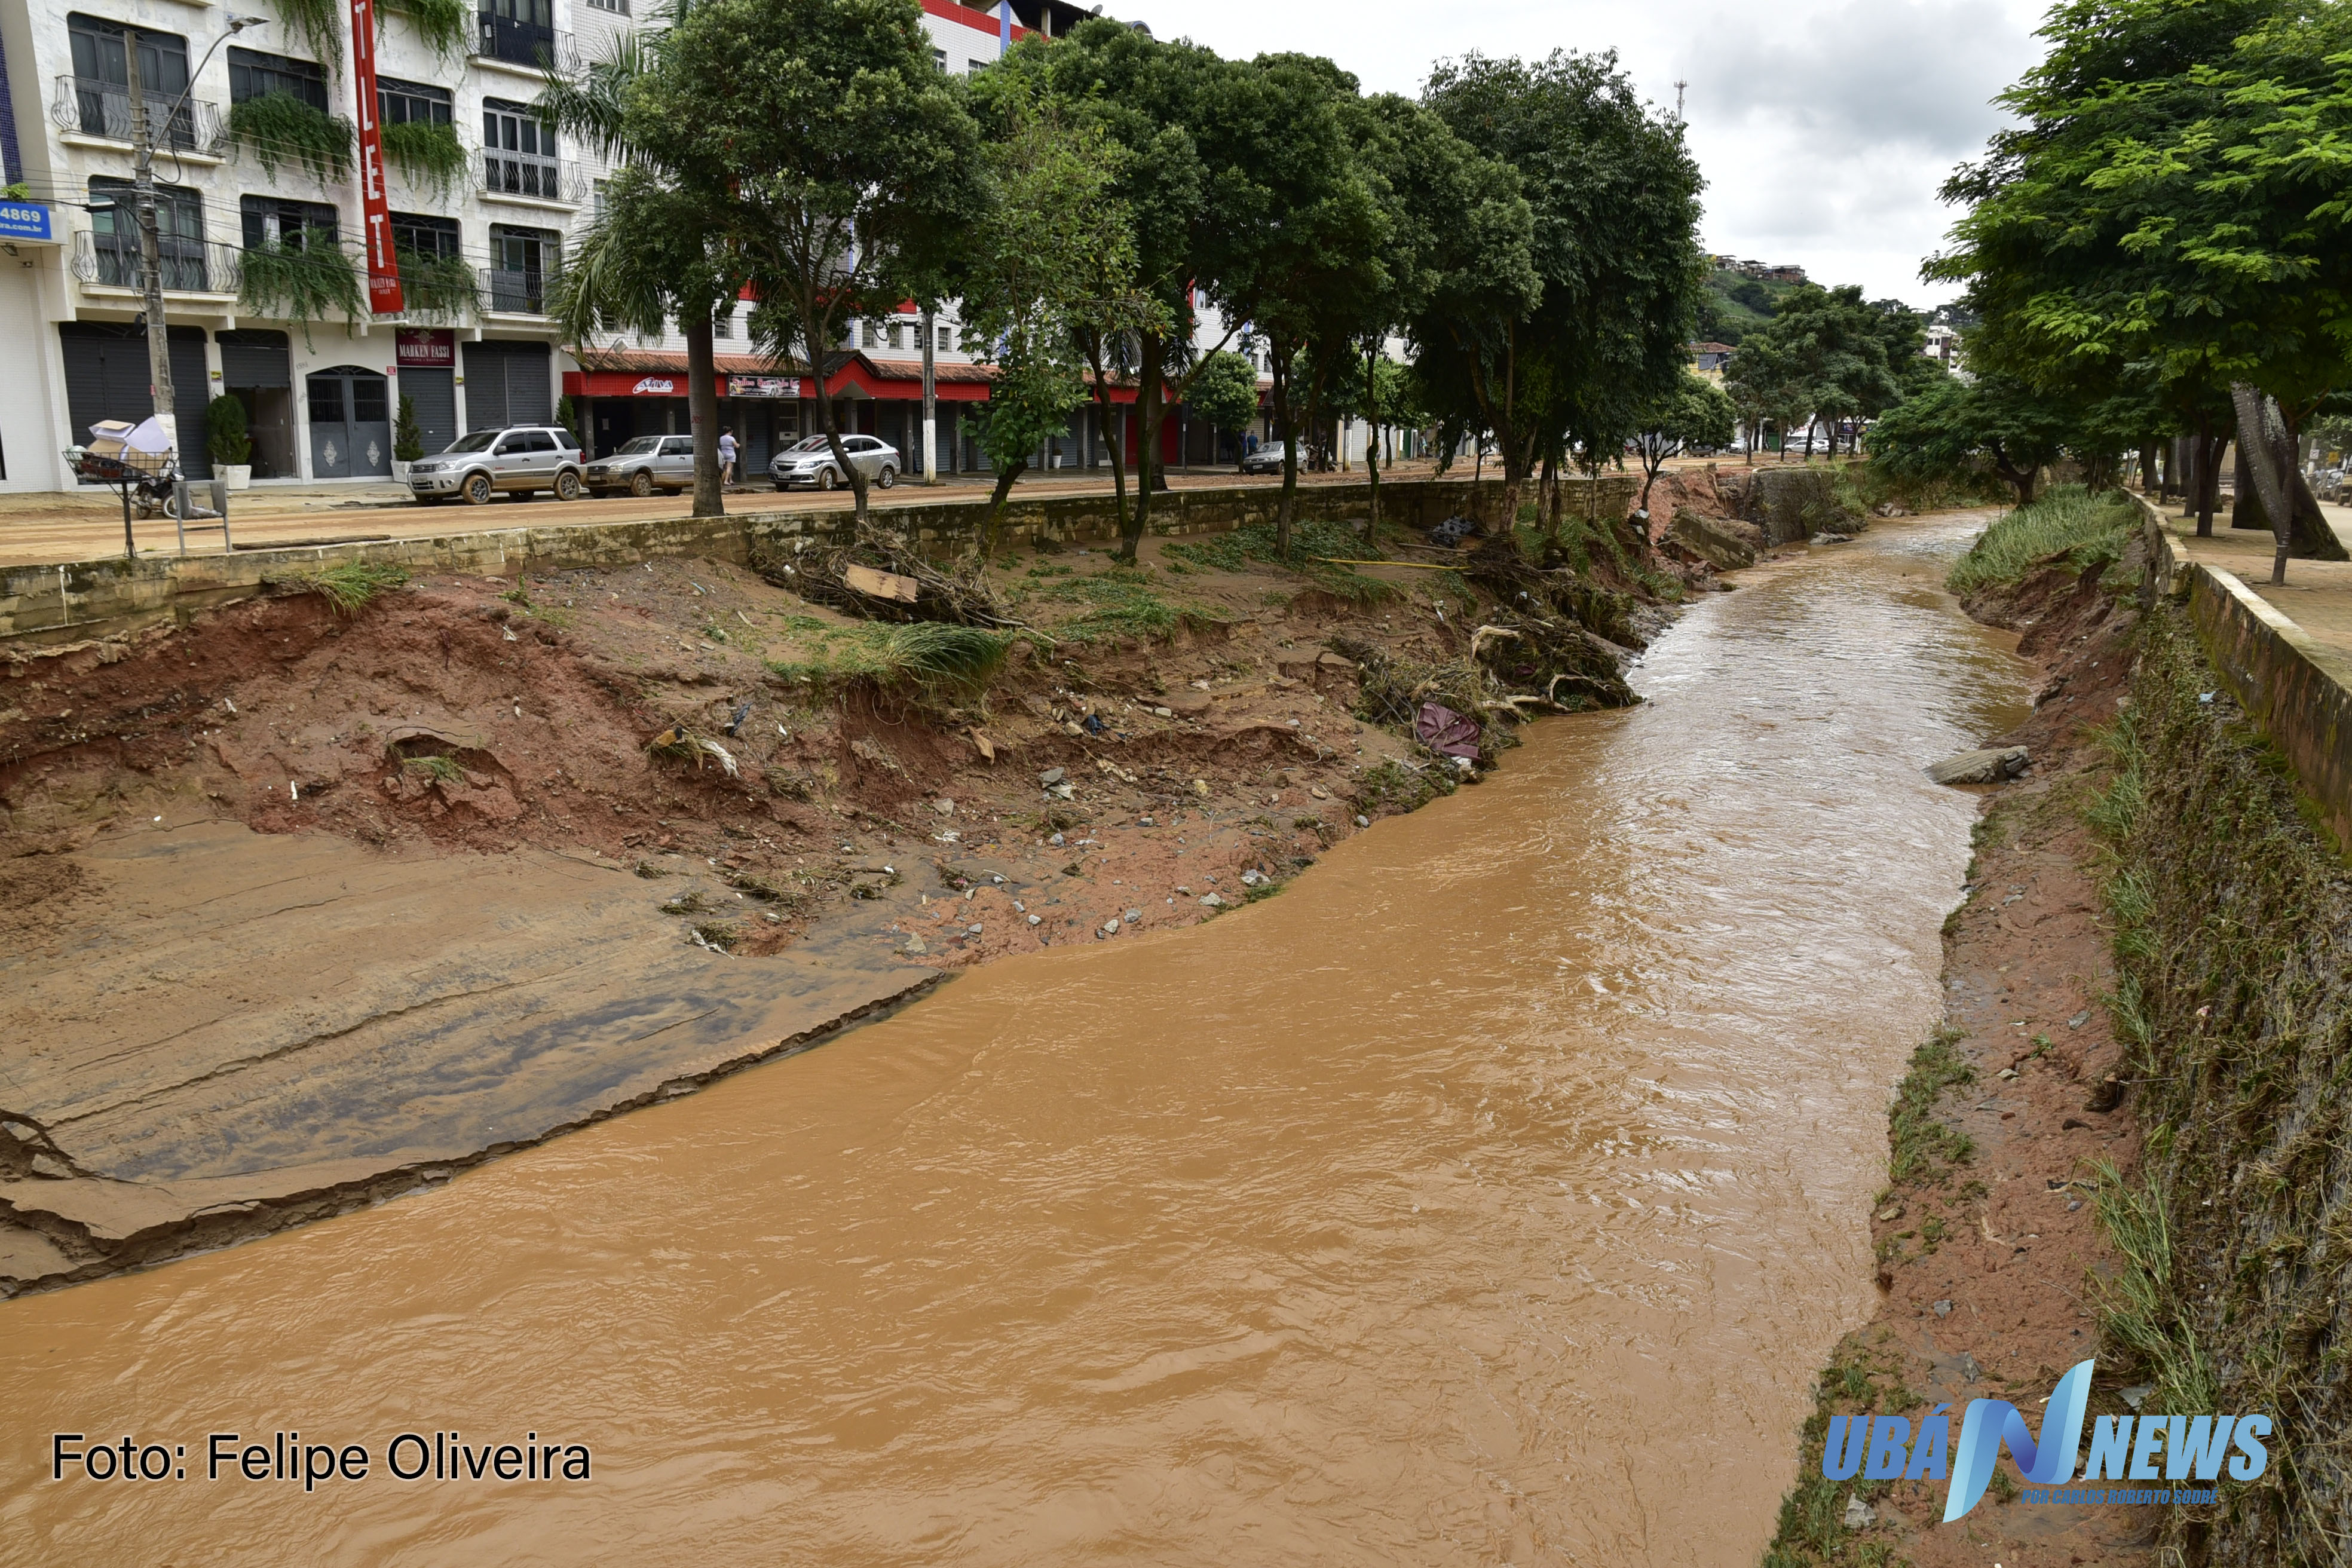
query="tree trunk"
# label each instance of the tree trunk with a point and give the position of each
(702, 412)
(2246, 509)
(2147, 467)
(1004, 477)
(2204, 476)
(828, 415)
(1106, 416)
(2254, 426)
(1150, 410)
(1289, 452)
(1372, 435)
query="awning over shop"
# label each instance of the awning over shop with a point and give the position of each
(638, 373)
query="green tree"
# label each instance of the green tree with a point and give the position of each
(1829, 353)
(833, 164)
(1048, 236)
(1612, 194)
(1224, 394)
(1951, 430)
(1695, 413)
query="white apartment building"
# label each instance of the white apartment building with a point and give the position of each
(260, 208)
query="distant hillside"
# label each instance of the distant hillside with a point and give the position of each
(1735, 306)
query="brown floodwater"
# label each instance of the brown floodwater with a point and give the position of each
(1491, 1195)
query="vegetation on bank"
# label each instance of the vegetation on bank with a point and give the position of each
(2231, 908)
(2068, 527)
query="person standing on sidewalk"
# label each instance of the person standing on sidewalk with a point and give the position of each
(726, 457)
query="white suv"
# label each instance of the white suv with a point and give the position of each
(519, 460)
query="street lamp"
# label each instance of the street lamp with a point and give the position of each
(143, 197)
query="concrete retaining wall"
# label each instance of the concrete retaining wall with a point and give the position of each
(2299, 692)
(90, 599)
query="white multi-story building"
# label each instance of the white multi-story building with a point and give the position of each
(261, 216)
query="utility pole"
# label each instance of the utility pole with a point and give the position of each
(151, 249)
(930, 400)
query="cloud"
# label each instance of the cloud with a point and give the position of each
(1823, 126)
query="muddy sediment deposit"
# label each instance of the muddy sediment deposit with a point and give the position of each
(1424, 1213)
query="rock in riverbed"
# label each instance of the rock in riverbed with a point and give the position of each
(1988, 766)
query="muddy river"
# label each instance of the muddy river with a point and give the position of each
(1491, 1195)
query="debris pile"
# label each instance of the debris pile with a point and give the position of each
(879, 579)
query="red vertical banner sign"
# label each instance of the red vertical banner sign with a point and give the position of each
(375, 212)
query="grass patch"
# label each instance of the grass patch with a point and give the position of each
(2138, 1306)
(349, 585)
(1922, 1147)
(2068, 527)
(440, 769)
(934, 657)
(1120, 604)
(1811, 1526)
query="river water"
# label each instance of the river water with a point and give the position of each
(1491, 1195)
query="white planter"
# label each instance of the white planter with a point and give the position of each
(236, 475)
(399, 472)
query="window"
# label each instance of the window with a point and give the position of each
(939, 59)
(252, 75)
(267, 220)
(947, 339)
(722, 324)
(523, 263)
(102, 77)
(618, 7)
(517, 151)
(520, 32)
(430, 237)
(678, 446)
(179, 234)
(873, 334)
(526, 441)
(897, 334)
(400, 102)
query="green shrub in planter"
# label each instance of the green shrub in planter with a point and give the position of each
(407, 436)
(227, 437)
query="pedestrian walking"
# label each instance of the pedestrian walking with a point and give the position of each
(727, 457)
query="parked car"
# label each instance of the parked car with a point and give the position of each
(811, 462)
(647, 464)
(517, 460)
(1266, 460)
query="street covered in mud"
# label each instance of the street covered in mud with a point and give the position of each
(1386, 1217)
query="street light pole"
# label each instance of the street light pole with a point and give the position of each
(930, 400)
(151, 249)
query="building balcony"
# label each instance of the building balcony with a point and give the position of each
(527, 177)
(509, 293)
(188, 266)
(102, 109)
(524, 44)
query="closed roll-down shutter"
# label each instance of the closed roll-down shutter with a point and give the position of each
(433, 395)
(508, 384)
(106, 378)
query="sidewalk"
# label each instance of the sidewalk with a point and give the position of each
(52, 528)
(2318, 595)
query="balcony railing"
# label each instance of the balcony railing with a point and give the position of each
(97, 107)
(529, 176)
(522, 44)
(188, 266)
(514, 293)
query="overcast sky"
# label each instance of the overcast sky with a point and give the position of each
(1823, 126)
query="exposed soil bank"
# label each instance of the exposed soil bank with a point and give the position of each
(306, 908)
(1988, 1222)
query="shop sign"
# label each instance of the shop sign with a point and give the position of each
(764, 386)
(655, 387)
(425, 348)
(25, 220)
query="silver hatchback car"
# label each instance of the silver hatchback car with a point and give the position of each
(517, 461)
(810, 462)
(647, 464)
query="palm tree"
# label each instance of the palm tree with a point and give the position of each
(654, 250)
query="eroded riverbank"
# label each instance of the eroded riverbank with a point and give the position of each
(1430, 1212)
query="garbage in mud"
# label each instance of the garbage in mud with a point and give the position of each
(1444, 732)
(876, 579)
(1451, 532)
